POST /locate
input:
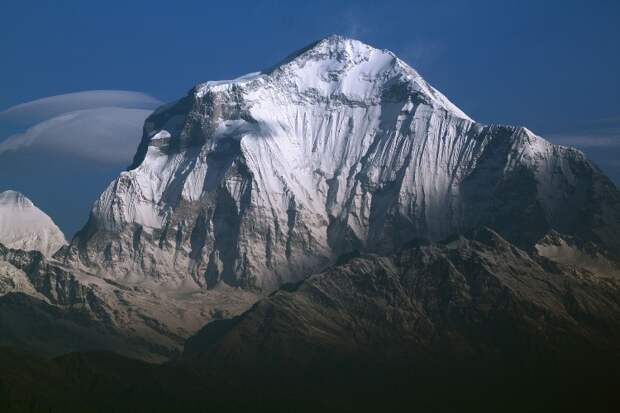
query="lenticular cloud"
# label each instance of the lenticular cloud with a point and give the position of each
(29, 113)
(97, 125)
(107, 135)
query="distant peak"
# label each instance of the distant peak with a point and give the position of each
(25, 227)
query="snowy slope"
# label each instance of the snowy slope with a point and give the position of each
(24, 226)
(261, 180)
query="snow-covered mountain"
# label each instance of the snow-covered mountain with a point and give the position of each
(24, 226)
(264, 179)
(248, 184)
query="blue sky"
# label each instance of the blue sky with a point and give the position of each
(552, 66)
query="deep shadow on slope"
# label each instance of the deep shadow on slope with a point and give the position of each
(102, 382)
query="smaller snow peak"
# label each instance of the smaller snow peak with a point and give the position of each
(14, 198)
(24, 226)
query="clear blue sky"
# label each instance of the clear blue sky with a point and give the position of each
(550, 65)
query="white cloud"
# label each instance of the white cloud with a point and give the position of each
(105, 135)
(26, 114)
(421, 53)
(98, 125)
(586, 141)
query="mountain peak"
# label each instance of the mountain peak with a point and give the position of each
(339, 42)
(24, 226)
(337, 69)
(338, 65)
(337, 48)
(332, 42)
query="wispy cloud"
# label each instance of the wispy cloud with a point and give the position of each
(599, 133)
(353, 25)
(421, 53)
(599, 139)
(586, 141)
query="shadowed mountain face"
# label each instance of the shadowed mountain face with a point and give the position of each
(103, 382)
(478, 298)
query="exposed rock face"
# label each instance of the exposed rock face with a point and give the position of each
(24, 226)
(261, 180)
(51, 309)
(476, 298)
